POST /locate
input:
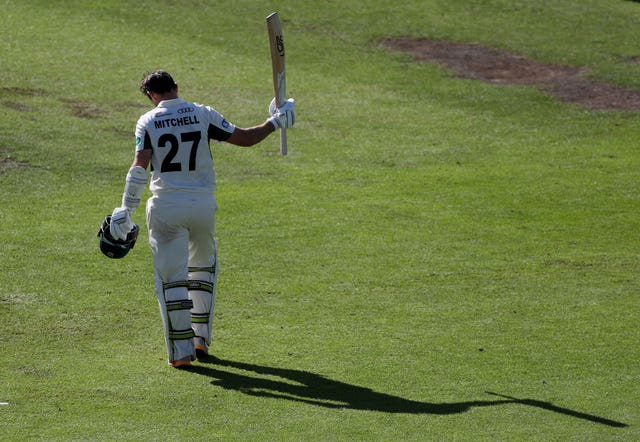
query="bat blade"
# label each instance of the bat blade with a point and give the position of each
(276, 44)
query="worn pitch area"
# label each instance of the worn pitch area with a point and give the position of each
(477, 62)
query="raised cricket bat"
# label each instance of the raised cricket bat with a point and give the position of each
(276, 44)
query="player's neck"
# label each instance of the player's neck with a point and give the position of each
(156, 98)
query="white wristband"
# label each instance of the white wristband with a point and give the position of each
(274, 121)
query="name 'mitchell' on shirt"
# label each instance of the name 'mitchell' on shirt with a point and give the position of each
(176, 122)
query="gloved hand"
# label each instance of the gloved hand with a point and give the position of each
(282, 117)
(121, 223)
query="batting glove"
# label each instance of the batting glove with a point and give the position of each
(272, 107)
(121, 223)
(283, 117)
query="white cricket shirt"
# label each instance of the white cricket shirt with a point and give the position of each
(178, 132)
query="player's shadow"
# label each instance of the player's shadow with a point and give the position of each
(314, 389)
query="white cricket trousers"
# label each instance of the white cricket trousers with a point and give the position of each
(181, 236)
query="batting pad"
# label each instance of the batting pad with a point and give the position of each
(202, 291)
(175, 307)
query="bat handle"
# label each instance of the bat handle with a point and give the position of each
(283, 141)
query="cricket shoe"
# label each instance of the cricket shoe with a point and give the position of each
(202, 350)
(181, 363)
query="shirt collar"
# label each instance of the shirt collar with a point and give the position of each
(169, 103)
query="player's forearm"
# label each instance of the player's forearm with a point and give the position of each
(251, 135)
(142, 158)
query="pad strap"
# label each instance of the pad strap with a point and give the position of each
(211, 269)
(200, 318)
(175, 284)
(181, 335)
(183, 304)
(204, 286)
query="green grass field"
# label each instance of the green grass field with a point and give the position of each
(435, 259)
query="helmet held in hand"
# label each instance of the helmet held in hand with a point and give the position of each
(112, 247)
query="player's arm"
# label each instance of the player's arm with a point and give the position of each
(136, 181)
(282, 117)
(251, 135)
(142, 158)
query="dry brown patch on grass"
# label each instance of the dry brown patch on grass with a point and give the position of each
(7, 163)
(83, 109)
(502, 67)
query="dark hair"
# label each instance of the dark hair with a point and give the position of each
(159, 82)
